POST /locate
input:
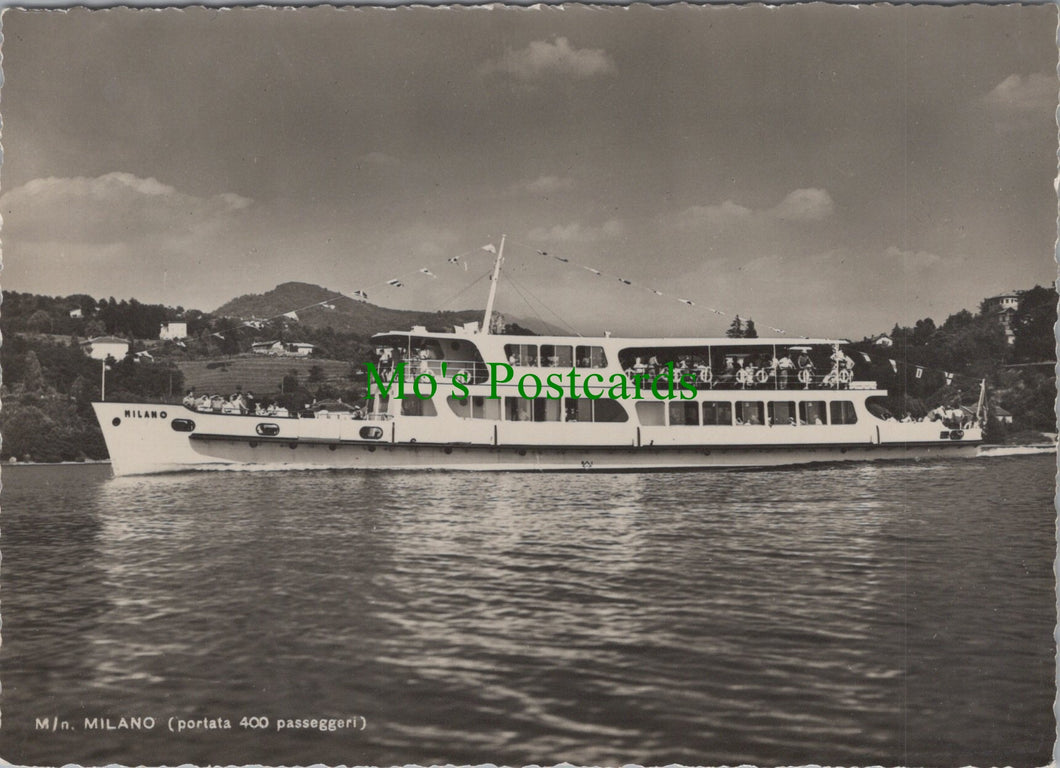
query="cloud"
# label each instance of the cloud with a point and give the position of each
(805, 205)
(801, 205)
(115, 207)
(697, 216)
(1033, 92)
(546, 185)
(542, 59)
(911, 261)
(577, 232)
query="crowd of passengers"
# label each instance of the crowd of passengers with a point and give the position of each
(764, 371)
(245, 404)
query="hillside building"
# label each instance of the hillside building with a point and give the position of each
(102, 347)
(1004, 306)
(173, 330)
(282, 349)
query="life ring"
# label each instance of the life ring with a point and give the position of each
(805, 376)
(705, 375)
(845, 376)
(762, 375)
(744, 376)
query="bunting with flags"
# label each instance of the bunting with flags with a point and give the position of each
(291, 316)
(428, 272)
(894, 365)
(949, 378)
(395, 283)
(919, 372)
(360, 295)
(453, 259)
(489, 248)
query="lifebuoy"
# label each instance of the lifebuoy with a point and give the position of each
(845, 376)
(705, 375)
(744, 376)
(805, 376)
(762, 375)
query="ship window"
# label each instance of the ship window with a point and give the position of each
(685, 414)
(717, 413)
(651, 414)
(843, 412)
(538, 409)
(521, 354)
(782, 413)
(553, 356)
(608, 410)
(460, 406)
(182, 425)
(602, 410)
(590, 357)
(813, 412)
(267, 430)
(371, 433)
(483, 407)
(413, 406)
(749, 413)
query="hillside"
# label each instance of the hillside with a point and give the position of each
(256, 373)
(349, 316)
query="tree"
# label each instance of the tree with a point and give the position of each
(742, 329)
(749, 331)
(923, 331)
(1033, 325)
(40, 321)
(33, 376)
(316, 374)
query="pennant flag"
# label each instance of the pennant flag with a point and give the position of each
(465, 266)
(218, 335)
(688, 302)
(657, 293)
(557, 258)
(545, 253)
(594, 271)
(328, 306)
(894, 365)
(360, 295)
(489, 248)
(453, 260)
(919, 372)
(396, 283)
(291, 315)
(949, 379)
(867, 358)
(623, 280)
(427, 272)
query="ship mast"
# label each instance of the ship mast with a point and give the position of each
(493, 288)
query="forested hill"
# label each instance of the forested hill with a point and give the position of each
(343, 314)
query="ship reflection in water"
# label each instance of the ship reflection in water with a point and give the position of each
(892, 614)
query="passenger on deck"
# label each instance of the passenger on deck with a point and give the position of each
(203, 403)
(216, 403)
(728, 376)
(189, 399)
(784, 366)
(805, 365)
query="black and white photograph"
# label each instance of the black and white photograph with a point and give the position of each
(525, 385)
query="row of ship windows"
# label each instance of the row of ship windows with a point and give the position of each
(749, 413)
(555, 356)
(650, 414)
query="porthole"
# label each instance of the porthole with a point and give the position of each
(292, 446)
(182, 425)
(447, 450)
(253, 443)
(115, 421)
(522, 451)
(267, 430)
(371, 433)
(332, 447)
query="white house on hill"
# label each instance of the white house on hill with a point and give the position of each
(76, 314)
(176, 329)
(102, 347)
(282, 349)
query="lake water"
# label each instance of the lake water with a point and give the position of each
(864, 614)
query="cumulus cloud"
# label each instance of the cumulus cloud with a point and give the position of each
(542, 58)
(800, 205)
(577, 232)
(115, 207)
(805, 205)
(1034, 92)
(547, 185)
(911, 261)
(697, 216)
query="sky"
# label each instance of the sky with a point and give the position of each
(824, 170)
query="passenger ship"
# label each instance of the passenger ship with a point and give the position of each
(753, 406)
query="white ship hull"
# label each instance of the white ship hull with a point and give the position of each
(141, 439)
